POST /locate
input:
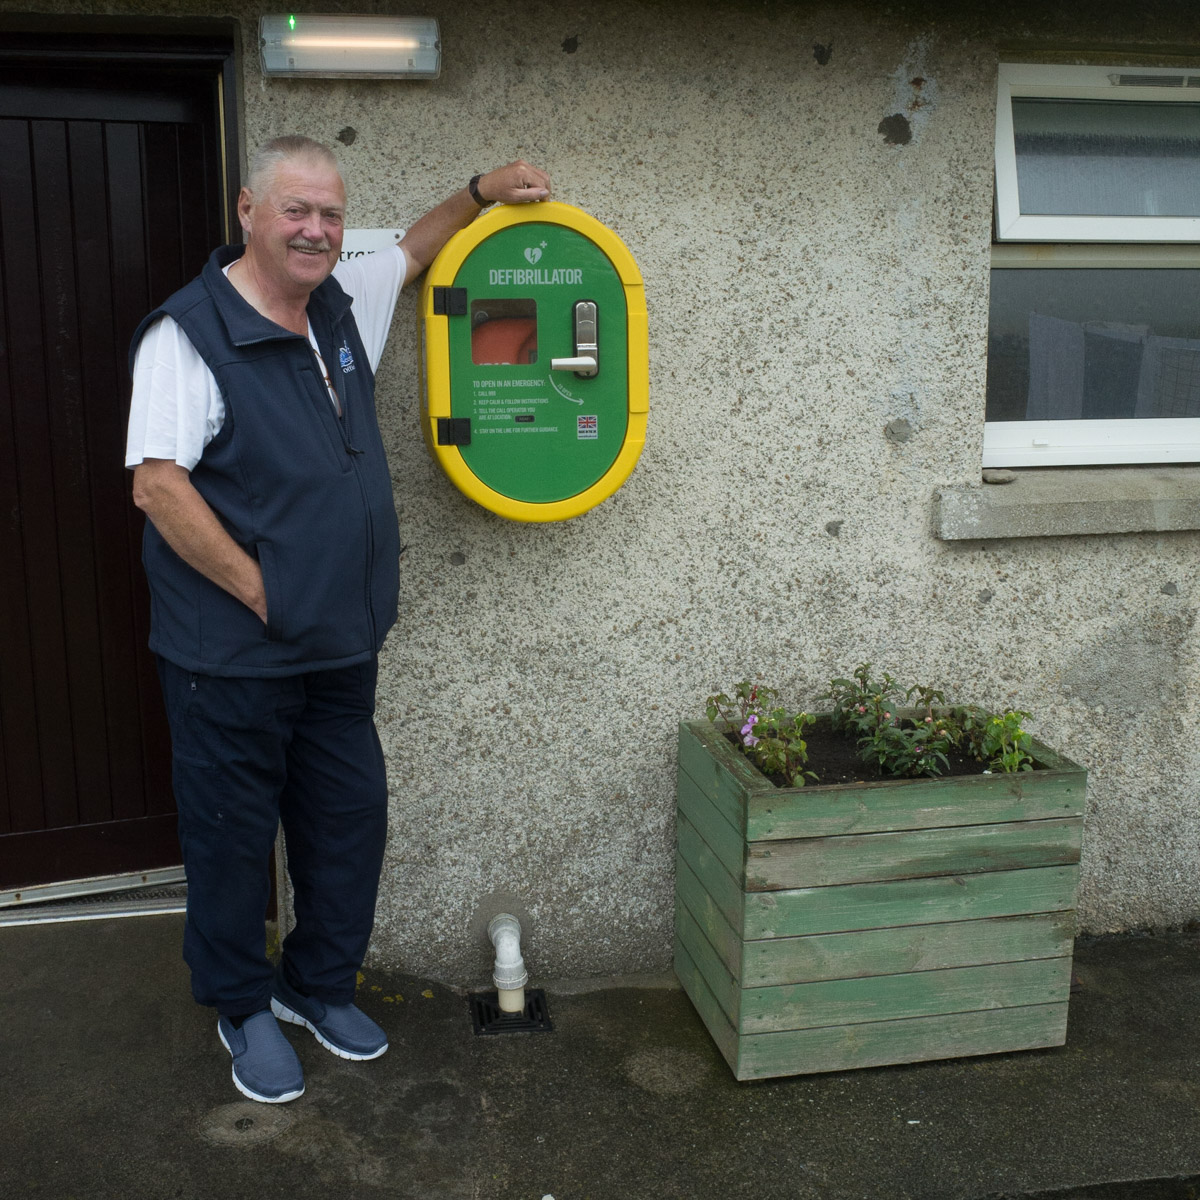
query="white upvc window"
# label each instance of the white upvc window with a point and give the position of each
(1094, 333)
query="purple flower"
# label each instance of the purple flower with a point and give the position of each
(748, 738)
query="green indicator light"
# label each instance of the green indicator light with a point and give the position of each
(292, 21)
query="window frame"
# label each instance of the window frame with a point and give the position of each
(1086, 242)
(1048, 82)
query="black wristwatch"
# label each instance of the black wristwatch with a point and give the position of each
(473, 188)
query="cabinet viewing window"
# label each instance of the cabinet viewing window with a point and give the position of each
(1094, 332)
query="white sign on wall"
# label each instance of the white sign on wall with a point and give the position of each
(356, 242)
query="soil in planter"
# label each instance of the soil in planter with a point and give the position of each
(833, 758)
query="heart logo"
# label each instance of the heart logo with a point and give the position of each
(532, 255)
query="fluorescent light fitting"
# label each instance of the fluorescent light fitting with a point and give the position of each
(326, 46)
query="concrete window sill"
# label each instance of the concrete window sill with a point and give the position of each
(1053, 501)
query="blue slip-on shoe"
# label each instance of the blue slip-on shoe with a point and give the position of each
(342, 1028)
(265, 1066)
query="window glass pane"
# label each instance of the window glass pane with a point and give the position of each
(504, 332)
(1089, 344)
(1107, 158)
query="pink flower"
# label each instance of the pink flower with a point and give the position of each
(748, 738)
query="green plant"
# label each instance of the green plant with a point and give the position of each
(900, 745)
(998, 740)
(1005, 744)
(768, 735)
(905, 732)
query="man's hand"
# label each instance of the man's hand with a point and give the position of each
(518, 183)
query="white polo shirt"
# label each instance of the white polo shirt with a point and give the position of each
(176, 407)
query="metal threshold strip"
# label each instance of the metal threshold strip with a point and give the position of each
(144, 893)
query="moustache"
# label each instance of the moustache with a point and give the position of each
(305, 244)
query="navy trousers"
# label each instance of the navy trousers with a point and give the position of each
(246, 754)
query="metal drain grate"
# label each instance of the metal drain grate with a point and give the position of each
(488, 1019)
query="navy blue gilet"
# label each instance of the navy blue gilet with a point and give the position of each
(305, 493)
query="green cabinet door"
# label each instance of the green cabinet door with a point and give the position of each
(538, 434)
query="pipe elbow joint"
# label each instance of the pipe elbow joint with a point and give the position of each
(509, 972)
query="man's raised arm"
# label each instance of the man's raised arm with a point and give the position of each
(517, 183)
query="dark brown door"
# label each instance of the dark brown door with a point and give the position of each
(112, 193)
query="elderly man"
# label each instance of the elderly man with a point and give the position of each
(272, 553)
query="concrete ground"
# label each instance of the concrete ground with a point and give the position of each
(113, 1084)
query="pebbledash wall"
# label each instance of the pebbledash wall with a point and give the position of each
(818, 293)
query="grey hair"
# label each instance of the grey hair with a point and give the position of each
(273, 154)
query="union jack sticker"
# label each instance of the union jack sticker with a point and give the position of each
(587, 429)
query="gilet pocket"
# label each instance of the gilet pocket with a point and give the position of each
(270, 574)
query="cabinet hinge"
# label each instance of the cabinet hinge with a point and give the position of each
(450, 302)
(454, 431)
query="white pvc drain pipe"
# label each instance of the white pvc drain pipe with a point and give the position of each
(509, 974)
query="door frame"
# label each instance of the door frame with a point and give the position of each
(92, 42)
(96, 43)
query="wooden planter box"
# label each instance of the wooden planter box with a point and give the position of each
(856, 925)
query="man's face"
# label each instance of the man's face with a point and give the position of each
(295, 224)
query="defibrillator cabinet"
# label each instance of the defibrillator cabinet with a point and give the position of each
(535, 361)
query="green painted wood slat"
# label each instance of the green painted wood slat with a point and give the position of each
(716, 975)
(912, 854)
(918, 1039)
(705, 1004)
(894, 951)
(722, 839)
(725, 779)
(725, 891)
(881, 807)
(723, 938)
(894, 997)
(907, 902)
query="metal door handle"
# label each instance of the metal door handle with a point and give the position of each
(586, 360)
(581, 364)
